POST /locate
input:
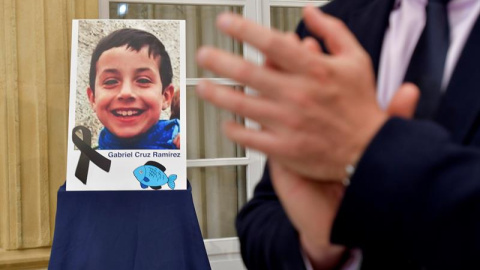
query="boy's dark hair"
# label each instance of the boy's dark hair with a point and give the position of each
(134, 39)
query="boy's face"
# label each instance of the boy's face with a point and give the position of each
(128, 95)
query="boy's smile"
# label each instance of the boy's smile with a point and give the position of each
(128, 95)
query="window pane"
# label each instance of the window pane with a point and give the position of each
(200, 26)
(218, 194)
(205, 138)
(285, 18)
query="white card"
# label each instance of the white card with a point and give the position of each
(127, 126)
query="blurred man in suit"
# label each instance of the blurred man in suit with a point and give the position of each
(341, 169)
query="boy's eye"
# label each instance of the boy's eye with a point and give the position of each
(110, 82)
(144, 81)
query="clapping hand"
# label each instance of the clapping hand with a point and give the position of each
(318, 112)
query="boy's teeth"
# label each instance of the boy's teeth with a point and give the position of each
(127, 113)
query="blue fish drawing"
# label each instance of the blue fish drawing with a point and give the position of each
(152, 175)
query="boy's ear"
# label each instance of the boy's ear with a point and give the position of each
(91, 98)
(167, 96)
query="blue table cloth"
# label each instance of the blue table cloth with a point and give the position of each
(127, 230)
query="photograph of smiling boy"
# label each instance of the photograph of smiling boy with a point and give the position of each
(128, 87)
(130, 84)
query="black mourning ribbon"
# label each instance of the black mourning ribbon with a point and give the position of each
(428, 60)
(88, 154)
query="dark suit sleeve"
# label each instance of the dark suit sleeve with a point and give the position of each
(417, 194)
(268, 239)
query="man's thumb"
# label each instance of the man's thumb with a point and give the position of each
(405, 101)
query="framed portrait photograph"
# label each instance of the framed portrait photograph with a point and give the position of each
(127, 126)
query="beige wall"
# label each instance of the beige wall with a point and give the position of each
(34, 84)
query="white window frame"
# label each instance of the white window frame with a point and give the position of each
(224, 253)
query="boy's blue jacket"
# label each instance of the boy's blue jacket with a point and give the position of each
(160, 136)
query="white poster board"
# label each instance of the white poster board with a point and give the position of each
(127, 126)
